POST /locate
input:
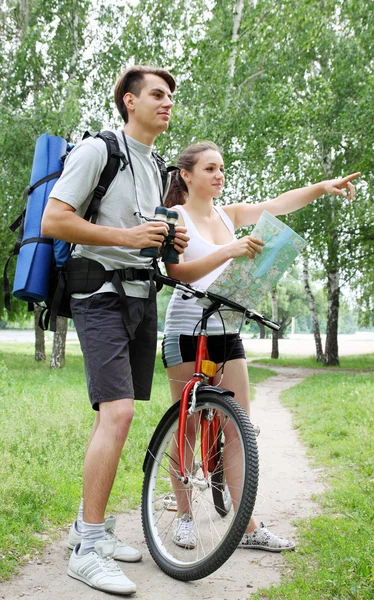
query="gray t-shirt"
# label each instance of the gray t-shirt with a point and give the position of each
(81, 175)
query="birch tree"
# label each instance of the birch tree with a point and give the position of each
(313, 311)
(284, 88)
(41, 86)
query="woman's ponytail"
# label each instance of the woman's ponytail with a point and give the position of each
(177, 190)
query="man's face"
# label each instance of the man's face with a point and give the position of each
(152, 108)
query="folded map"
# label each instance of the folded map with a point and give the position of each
(246, 280)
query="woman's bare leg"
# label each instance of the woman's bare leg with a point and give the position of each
(235, 378)
(178, 377)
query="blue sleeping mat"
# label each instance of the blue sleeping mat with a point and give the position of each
(34, 260)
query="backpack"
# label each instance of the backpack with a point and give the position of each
(41, 264)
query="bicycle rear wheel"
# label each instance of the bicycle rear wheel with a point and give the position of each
(216, 538)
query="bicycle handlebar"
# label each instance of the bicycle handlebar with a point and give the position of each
(217, 300)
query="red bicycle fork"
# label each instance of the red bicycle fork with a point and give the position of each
(209, 427)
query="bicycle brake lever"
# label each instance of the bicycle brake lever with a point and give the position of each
(189, 293)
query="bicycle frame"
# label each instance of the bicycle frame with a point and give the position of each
(199, 378)
(202, 354)
(198, 441)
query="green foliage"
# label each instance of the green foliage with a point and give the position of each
(41, 89)
(289, 104)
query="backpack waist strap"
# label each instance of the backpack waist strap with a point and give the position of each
(130, 274)
(85, 276)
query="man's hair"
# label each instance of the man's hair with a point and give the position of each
(132, 80)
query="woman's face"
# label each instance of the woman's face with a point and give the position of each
(207, 177)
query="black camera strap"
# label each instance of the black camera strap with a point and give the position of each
(133, 176)
(116, 280)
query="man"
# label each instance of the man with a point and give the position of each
(118, 345)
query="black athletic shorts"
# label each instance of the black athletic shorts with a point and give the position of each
(177, 349)
(116, 367)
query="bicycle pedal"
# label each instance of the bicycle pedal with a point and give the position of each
(256, 429)
(170, 502)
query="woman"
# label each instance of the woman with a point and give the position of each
(197, 182)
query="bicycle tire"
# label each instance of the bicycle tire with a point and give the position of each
(217, 538)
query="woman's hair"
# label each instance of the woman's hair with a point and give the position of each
(132, 80)
(187, 160)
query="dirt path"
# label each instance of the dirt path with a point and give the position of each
(287, 483)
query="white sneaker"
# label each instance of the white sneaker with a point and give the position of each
(122, 551)
(98, 569)
(184, 535)
(263, 539)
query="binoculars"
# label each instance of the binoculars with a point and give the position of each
(168, 253)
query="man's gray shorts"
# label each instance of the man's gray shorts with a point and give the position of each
(116, 367)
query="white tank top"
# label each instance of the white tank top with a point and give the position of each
(183, 315)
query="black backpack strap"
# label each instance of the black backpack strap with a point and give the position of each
(50, 315)
(164, 173)
(114, 160)
(116, 279)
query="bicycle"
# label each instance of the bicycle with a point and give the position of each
(203, 450)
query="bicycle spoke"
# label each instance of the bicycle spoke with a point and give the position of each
(216, 537)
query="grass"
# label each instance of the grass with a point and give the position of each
(45, 423)
(257, 375)
(46, 420)
(363, 362)
(335, 556)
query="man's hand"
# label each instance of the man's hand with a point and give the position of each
(149, 234)
(180, 239)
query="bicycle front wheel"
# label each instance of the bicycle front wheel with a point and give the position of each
(220, 490)
(210, 539)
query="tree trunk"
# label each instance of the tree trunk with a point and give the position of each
(331, 345)
(238, 11)
(331, 357)
(313, 312)
(274, 316)
(39, 335)
(284, 324)
(262, 331)
(59, 343)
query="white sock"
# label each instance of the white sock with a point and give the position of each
(80, 517)
(91, 533)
